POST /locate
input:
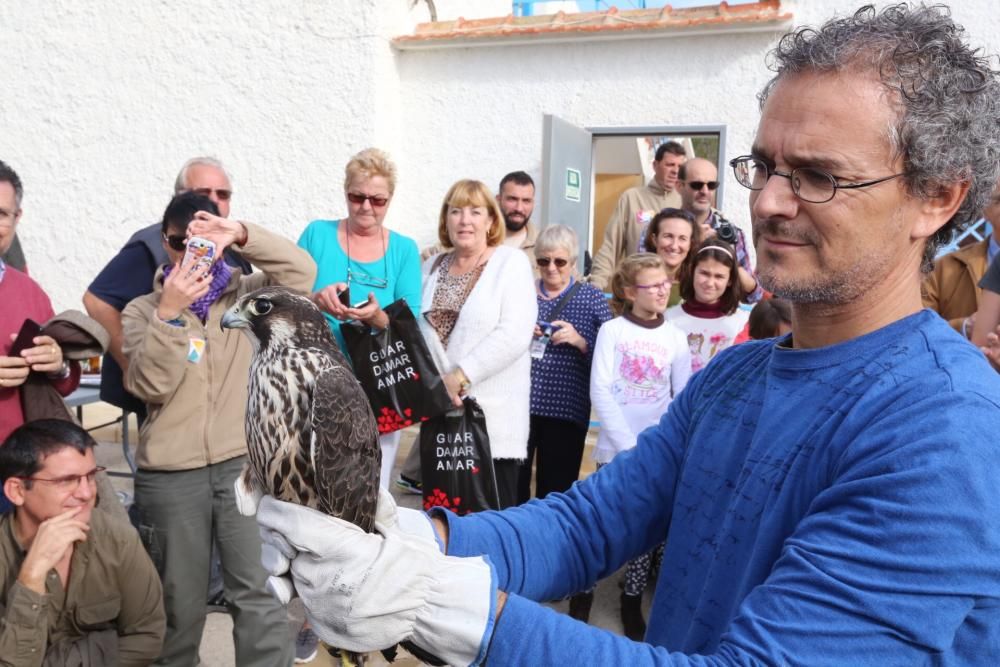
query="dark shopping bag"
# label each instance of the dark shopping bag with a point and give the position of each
(396, 370)
(456, 466)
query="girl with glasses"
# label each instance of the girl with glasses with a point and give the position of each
(710, 315)
(671, 234)
(641, 362)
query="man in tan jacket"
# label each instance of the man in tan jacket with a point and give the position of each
(952, 289)
(193, 376)
(76, 586)
(636, 207)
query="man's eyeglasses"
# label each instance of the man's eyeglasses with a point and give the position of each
(358, 198)
(545, 261)
(657, 287)
(220, 194)
(698, 185)
(69, 482)
(177, 242)
(808, 183)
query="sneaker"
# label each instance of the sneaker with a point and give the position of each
(409, 485)
(632, 620)
(579, 606)
(306, 645)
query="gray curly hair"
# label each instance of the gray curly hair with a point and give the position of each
(948, 96)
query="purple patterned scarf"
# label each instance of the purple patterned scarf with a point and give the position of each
(220, 272)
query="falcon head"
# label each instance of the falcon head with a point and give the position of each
(277, 317)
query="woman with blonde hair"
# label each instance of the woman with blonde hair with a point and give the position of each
(479, 315)
(361, 265)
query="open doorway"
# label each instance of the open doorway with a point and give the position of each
(585, 170)
(623, 157)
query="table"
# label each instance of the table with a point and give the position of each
(91, 393)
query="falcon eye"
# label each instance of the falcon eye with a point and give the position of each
(260, 306)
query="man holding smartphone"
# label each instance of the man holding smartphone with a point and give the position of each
(192, 375)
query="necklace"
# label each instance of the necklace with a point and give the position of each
(474, 265)
(362, 277)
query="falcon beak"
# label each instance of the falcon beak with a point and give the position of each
(233, 319)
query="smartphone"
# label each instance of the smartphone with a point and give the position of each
(200, 252)
(344, 296)
(361, 304)
(543, 325)
(25, 337)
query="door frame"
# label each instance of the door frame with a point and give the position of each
(666, 131)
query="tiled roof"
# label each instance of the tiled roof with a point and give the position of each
(611, 23)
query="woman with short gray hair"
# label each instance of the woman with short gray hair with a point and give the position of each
(569, 314)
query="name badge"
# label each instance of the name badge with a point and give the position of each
(196, 350)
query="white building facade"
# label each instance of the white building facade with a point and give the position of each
(104, 100)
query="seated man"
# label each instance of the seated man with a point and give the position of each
(76, 586)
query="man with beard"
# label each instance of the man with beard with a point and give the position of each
(827, 497)
(636, 207)
(517, 202)
(699, 179)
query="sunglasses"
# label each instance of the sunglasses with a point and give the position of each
(176, 241)
(221, 195)
(545, 261)
(377, 201)
(698, 185)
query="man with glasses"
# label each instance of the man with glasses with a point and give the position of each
(76, 586)
(827, 497)
(699, 179)
(626, 229)
(129, 275)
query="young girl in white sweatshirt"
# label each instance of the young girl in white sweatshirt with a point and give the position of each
(641, 362)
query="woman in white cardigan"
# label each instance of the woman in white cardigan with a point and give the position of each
(479, 316)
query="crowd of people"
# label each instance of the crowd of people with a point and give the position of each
(795, 454)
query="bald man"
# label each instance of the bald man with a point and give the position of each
(698, 180)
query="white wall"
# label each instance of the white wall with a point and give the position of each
(105, 99)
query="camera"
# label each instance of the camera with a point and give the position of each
(726, 231)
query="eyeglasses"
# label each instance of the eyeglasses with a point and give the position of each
(545, 261)
(176, 241)
(698, 185)
(366, 279)
(69, 482)
(658, 287)
(808, 183)
(220, 194)
(376, 200)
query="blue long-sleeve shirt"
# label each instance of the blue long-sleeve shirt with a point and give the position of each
(829, 506)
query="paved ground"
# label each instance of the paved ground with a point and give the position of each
(217, 647)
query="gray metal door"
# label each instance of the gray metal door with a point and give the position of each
(566, 173)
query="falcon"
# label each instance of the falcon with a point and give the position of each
(311, 436)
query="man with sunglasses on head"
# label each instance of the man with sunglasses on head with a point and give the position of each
(698, 180)
(130, 273)
(76, 586)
